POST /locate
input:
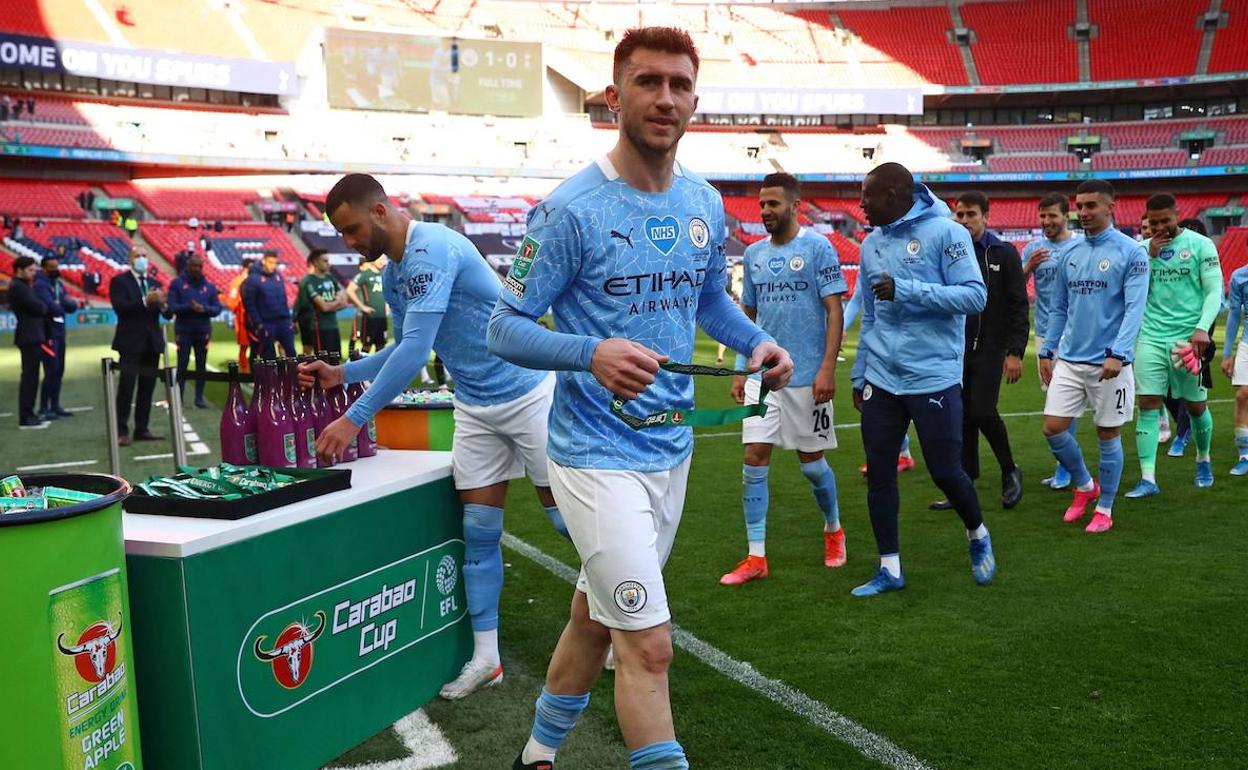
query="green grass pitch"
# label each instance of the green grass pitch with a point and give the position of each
(1123, 650)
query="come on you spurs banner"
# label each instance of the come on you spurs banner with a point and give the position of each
(132, 65)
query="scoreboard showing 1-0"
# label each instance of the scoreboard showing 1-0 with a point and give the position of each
(386, 71)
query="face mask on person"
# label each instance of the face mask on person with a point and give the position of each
(140, 264)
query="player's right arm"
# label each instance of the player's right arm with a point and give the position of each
(1235, 298)
(1059, 306)
(353, 296)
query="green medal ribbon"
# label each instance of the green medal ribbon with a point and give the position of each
(681, 418)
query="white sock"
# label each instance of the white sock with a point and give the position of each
(1107, 511)
(828, 527)
(485, 646)
(534, 751)
(1241, 431)
(1086, 487)
(905, 454)
(1203, 458)
(1164, 422)
(892, 563)
(977, 534)
(1149, 477)
(758, 548)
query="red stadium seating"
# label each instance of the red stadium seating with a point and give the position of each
(169, 238)
(916, 37)
(847, 206)
(1233, 251)
(1219, 156)
(1230, 45)
(1045, 53)
(38, 198)
(1050, 162)
(1123, 160)
(169, 203)
(1132, 43)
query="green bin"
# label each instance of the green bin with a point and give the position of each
(66, 673)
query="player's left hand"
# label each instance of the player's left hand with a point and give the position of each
(777, 358)
(334, 439)
(824, 389)
(1013, 369)
(885, 289)
(1111, 368)
(1200, 341)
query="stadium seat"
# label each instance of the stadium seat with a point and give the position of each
(1128, 28)
(1048, 55)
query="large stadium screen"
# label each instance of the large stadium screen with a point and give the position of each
(385, 71)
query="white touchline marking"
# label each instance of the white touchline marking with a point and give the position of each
(80, 409)
(50, 466)
(841, 727)
(428, 746)
(848, 425)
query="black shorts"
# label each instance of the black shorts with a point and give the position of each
(374, 332)
(306, 339)
(318, 339)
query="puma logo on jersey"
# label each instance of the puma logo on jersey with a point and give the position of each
(618, 236)
(939, 402)
(420, 251)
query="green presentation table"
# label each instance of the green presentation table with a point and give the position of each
(288, 637)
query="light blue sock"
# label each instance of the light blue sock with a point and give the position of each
(905, 443)
(1066, 450)
(483, 564)
(556, 716)
(1241, 441)
(1111, 470)
(556, 519)
(823, 482)
(1074, 423)
(754, 501)
(665, 755)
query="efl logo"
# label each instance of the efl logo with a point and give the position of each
(291, 655)
(95, 653)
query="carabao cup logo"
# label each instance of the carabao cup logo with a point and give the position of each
(291, 653)
(95, 652)
(663, 233)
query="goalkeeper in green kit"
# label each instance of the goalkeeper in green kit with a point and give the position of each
(1184, 297)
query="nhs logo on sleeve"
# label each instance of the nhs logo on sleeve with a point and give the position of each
(663, 233)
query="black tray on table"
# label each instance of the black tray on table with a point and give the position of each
(314, 483)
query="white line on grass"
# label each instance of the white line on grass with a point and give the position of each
(427, 745)
(848, 425)
(50, 466)
(841, 727)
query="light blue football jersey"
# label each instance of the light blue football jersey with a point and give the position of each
(1046, 275)
(611, 261)
(442, 272)
(787, 285)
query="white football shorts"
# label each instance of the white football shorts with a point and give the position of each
(503, 441)
(622, 524)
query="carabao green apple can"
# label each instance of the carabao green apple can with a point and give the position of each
(95, 699)
(67, 685)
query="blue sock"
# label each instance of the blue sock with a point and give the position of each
(665, 755)
(754, 501)
(1074, 423)
(1241, 441)
(1111, 470)
(556, 716)
(1066, 450)
(556, 519)
(823, 482)
(483, 564)
(905, 444)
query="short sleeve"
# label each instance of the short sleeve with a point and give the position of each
(830, 277)
(546, 262)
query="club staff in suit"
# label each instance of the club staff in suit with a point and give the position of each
(139, 341)
(30, 337)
